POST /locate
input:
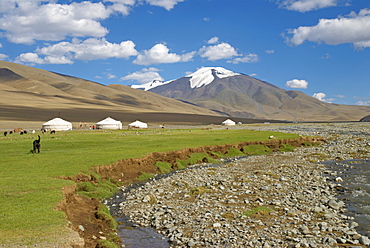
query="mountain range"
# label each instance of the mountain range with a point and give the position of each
(239, 95)
(208, 96)
(35, 95)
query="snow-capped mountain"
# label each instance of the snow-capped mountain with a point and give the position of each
(206, 75)
(201, 77)
(238, 95)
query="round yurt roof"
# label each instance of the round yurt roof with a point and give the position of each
(108, 120)
(138, 124)
(228, 122)
(109, 123)
(57, 124)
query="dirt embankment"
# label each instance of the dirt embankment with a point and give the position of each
(82, 211)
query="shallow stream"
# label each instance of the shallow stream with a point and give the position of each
(356, 194)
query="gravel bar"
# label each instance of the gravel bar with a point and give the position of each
(285, 199)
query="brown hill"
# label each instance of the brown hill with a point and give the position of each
(35, 96)
(247, 97)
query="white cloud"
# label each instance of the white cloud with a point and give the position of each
(111, 76)
(298, 84)
(340, 96)
(159, 54)
(322, 97)
(213, 40)
(355, 28)
(270, 51)
(90, 49)
(219, 51)
(307, 5)
(33, 58)
(3, 56)
(29, 58)
(249, 58)
(364, 103)
(362, 100)
(24, 22)
(30, 21)
(167, 4)
(144, 76)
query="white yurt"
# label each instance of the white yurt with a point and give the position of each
(57, 124)
(109, 123)
(228, 122)
(138, 124)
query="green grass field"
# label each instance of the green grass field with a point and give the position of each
(30, 190)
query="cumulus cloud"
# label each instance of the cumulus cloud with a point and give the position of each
(90, 49)
(298, 84)
(354, 28)
(167, 4)
(159, 54)
(144, 76)
(219, 51)
(322, 97)
(33, 58)
(307, 5)
(25, 22)
(29, 21)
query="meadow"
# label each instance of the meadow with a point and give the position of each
(29, 186)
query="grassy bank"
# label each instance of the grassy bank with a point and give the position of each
(30, 190)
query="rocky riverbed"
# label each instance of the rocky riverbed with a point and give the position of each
(279, 200)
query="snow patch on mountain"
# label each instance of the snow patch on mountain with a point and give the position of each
(150, 85)
(200, 78)
(204, 76)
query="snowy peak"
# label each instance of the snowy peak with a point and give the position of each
(200, 78)
(150, 85)
(206, 75)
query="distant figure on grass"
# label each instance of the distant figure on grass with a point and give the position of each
(5, 133)
(36, 145)
(52, 132)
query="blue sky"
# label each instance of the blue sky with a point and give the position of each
(319, 47)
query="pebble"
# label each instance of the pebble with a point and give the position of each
(278, 200)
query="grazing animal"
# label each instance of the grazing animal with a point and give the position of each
(52, 132)
(5, 133)
(36, 145)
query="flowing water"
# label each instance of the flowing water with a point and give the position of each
(356, 182)
(133, 235)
